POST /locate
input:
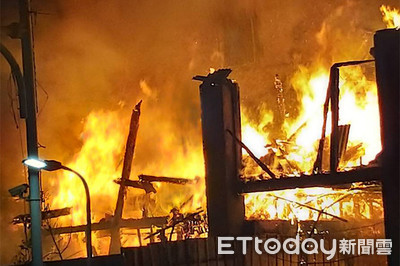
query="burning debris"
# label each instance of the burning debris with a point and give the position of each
(291, 175)
(281, 153)
(192, 225)
(185, 226)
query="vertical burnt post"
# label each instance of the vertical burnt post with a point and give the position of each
(334, 91)
(220, 113)
(115, 242)
(386, 52)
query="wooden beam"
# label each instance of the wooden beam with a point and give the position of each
(45, 215)
(387, 53)
(335, 119)
(252, 155)
(165, 179)
(107, 225)
(220, 111)
(332, 96)
(146, 186)
(115, 244)
(317, 180)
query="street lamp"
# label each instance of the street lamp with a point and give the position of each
(52, 165)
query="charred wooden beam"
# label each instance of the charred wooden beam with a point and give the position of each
(146, 186)
(165, 179)
(220, 111)
(214, 78)
(253, 156)
(334, 91)
(387, 54)
(56, 213)
(23, 218)
(107, 225)
(344, 131)
(318, 161)
(332, 96)
(317, 180)
(115, 244)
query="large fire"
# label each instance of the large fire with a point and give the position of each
(100, 162)
(358, 107)
(104, 135)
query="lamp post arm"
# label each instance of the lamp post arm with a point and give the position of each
(16, 71)
(88, 231)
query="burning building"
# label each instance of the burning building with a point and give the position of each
(145, 169)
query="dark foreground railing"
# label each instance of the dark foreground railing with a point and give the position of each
(204, 252)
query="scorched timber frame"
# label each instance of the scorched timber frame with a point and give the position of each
(220, 113)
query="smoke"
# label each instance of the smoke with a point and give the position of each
(107, 55)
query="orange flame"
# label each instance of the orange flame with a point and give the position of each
(391, 16)
(104, 136)
(100, 161)
(358, 106)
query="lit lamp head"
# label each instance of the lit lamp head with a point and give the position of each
(34, 163)
(48, 165)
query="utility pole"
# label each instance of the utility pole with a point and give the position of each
(31, 131)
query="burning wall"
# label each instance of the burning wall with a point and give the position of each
(96, 59)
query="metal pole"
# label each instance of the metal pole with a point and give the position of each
(16, 71)
(88, 231)
(31, 131)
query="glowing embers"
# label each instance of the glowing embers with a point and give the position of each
(356, 202)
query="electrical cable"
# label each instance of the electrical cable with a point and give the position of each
(54, 240)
